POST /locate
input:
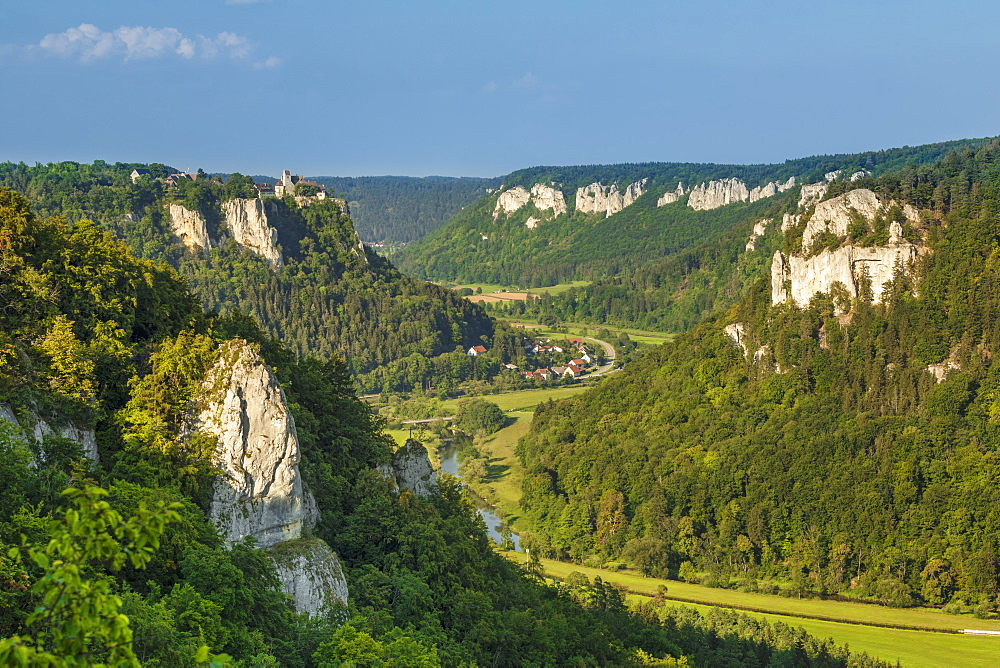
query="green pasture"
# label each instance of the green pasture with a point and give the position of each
(920, 649)
(577, 329)
(522, 399)
(561, 287)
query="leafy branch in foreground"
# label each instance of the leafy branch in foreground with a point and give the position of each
(77, 620)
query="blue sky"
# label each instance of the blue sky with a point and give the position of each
(480, 89)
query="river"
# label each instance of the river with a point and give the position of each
(449, 463)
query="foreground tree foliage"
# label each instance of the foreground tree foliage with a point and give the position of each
(831, 460)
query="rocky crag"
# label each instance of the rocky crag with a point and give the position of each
(32, 426)
(251, 223)
(410, 469)
(849, 270)
(598, 198)
(259, 492)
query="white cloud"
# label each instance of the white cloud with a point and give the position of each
(269, 64)
(88, 43)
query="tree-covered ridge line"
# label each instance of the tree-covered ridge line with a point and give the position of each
(394, 210)
(329, 295)
(629, 254)
(832, 459)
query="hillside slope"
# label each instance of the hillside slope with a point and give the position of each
(622, 225)
(296, 265)
(846, 442)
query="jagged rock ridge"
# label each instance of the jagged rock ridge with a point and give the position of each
(720, 193)
(245, 220)
(411, 469)
(259, 491)
(544, 197)
(598, 198)
(796, 278)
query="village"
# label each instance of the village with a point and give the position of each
(554, 361)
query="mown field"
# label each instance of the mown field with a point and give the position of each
(911, 648)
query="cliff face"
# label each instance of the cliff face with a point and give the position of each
(33, 426)
(544, 197)
(411, 469)
(310, 573)
(796, 278)
(189, 227)
(598, 198)
(672, 196)
(247, 222)
(715, 194)
(259, 491)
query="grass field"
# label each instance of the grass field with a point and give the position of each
(911, 648)
(523, 399)
(579, 329)
(562, 287)
(914, 649)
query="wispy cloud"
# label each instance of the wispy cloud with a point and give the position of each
(88, 43)
(269, 64)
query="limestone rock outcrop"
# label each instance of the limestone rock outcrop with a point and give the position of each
(411, 469)
(812, 193)
(758, 231)
(33, 426)
(310, 573)
(717, 193)
(246, 220)
(598, 198)
(544, 197)
(771, 189)
(672, 196)
(259, 490)
(189, 226)
(835, 215)
(797, 279)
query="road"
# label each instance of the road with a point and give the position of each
(609, 358)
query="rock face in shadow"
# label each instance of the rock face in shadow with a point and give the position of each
(259, 492)
(34, 427)
(310, 573)
(411, 469)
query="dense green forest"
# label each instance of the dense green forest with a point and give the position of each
(401, 209)
(126, 567)
(831, 459)
(330, 294)
(661, 268)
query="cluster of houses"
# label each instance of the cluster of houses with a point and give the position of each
(287, 185)
(572, 369)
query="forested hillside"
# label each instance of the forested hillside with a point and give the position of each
(845, 446)
(401, 209)
(128, 568)
(661, 266)
(329, 293)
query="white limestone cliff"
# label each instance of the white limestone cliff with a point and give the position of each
(736, 333)
(311, 574)
(34, 427)
(835, 215)
(672, 196)
(796, 278)
(598, 198)
(758, 231)
(259, 491)
(717, 193)
(411, 469)
(812, 193)
(189, 226)
(771, 189)
(246, 220)
(544, 197)
(790, 220)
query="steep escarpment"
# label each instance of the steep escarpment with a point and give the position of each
(247, 222)
(548, 225)
(258, 492)
(829, 259)
(819, 438)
